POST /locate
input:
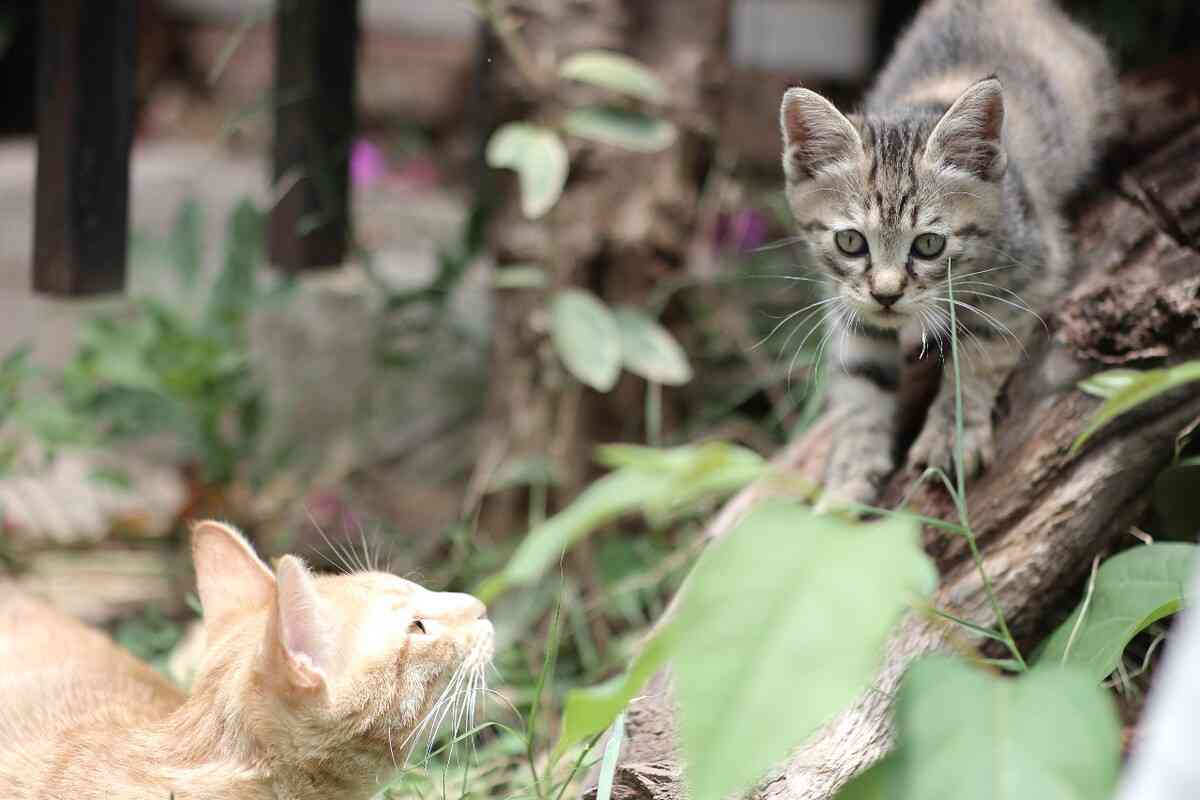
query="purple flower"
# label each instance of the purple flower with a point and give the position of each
(368, 164)
(741, 231)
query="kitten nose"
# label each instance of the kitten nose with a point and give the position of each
(886, 300)
(464, 606)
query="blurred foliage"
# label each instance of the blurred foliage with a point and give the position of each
(151, 636)
(182, 368)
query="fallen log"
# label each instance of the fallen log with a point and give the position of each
(1040, 514)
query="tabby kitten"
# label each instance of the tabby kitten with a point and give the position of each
(311, 687)
(988, 115)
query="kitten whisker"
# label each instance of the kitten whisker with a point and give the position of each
(800, 326)
(792, 316)
(778, 243)
(344, 568)
(829, 314)
(1019, 306)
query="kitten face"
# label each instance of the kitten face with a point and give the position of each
(888, 204)
(399, 645)
(347, 667)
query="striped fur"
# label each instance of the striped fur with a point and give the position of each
(988, 116)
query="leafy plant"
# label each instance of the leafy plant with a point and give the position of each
(655, 482)
(27, 407)
(1125, 390)
(1131, 591)
(166, 368)
(537, 152)
(780, 626)
(963, 733)
(150, 636)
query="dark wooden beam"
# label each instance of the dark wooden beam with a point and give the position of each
(315, 66)
(85, 113)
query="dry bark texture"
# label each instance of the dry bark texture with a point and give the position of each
(623, 223)
(1040, 514)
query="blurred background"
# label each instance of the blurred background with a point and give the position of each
(329, 311)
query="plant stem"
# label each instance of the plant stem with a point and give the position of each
(506, 29)
(960, 496)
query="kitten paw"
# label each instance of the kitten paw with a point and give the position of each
(935, 446)
(847, 498)
(858, 465)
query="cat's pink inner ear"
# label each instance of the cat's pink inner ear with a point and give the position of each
(815, 134)
(969, 134)
(303, 632)
(230, 579)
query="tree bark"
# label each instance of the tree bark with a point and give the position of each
(623, 223)
(1040, 514)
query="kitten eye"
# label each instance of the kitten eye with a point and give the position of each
(929, 245)
(850, 242)
(417, 625)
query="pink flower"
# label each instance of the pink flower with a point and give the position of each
(368, 164)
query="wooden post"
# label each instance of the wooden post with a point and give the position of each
(315, 55)
(85, 127)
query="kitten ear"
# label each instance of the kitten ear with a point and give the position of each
(301, 630)
(230, 578)
(968, 135)
(815, 134)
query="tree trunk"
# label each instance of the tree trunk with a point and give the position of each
(1040, 514)
(622, 224)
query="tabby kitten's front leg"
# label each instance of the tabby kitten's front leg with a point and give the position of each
(863, 372)
(985, 360)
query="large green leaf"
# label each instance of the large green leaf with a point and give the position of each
(879, 782)
(683, 476)
(649, 350)
(1133, 589)
(616, 72)
(590, 710)
(539, 158)
(780, 626)
(1133, 393)
(962, 732)
(631, 130)
(587, 338)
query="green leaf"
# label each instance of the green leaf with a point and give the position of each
(962, 732)
(608, 764)
(590, 710)
(1149, 385)
(233, 293)
(879, 782)
(649, 350)
(1105, 384)
(631, 130)
(587, 338)
(616, 72)
(681, 477)
(1133, 590)
(519, 276)
(186, 242)
(1174, 498)
(538, 156)
(781, 625)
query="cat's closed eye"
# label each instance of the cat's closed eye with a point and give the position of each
(417, 626)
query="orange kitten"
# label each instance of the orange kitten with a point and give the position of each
(311, 687)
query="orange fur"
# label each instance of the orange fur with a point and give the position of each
(309, 687)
